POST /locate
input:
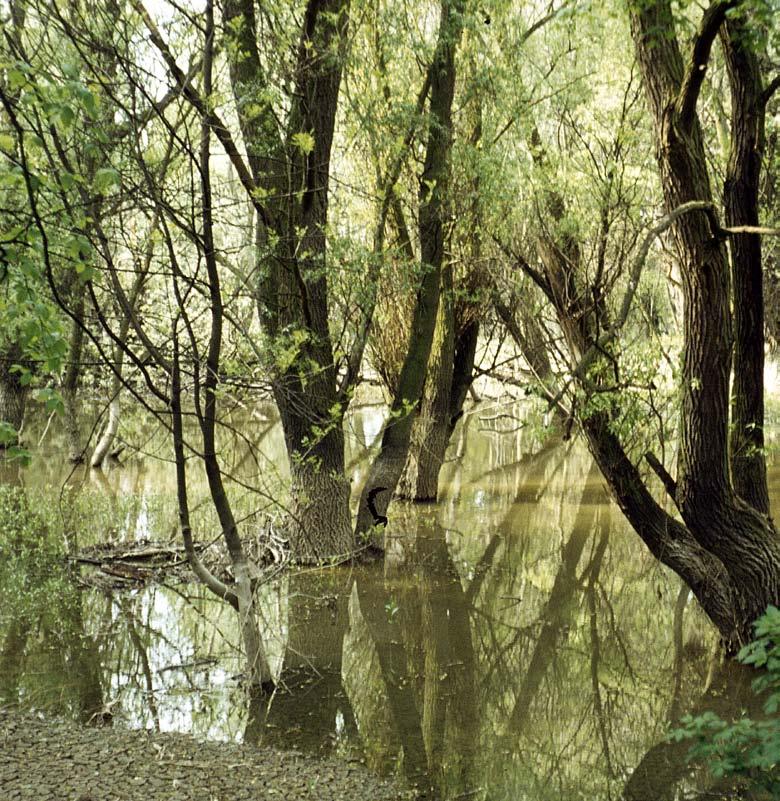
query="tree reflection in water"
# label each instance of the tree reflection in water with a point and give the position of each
(517, 642)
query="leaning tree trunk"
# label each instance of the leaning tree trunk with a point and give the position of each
(723, 549)
(431, 429)
(106, 442)
(744, 540)
(451, 363)
(13, 393)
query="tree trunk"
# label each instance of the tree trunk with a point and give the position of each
(721, 522)
(726, 551)
(431, 429)
(70, 381)
(741, 190)
(13, 394)
(451, 364)
(106, 442)
(292, 290)
(320, 525)
(389, 464)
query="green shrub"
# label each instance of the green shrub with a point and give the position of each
(748, 748)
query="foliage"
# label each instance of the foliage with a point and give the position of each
(747, 747)
(31, 555)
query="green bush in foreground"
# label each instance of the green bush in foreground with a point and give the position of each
(747, 748)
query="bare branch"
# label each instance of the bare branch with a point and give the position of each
(634, 274)
(541, 22)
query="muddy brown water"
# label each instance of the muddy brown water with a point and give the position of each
(517, 642)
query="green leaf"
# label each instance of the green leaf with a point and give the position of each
(51, 399)
(304, 141)
(66, 115)
(105, 178)
(17, 79)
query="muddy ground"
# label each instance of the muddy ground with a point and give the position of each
(55, 760)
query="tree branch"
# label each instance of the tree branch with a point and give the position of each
(666, 479)
(634, 274)
(541, 22)
(700, 55)
(771, 88)
(209, 116)
(520, 261)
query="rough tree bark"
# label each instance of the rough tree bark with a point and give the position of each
(451, 363)
(742, 539)
(13, 394)
(292, 252)
(740, 195)
(430, 431)
(726, 551)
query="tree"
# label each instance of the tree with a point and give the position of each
(66, 194)
(387, 468)
(726, 549)
(727, 526)
(290, 170)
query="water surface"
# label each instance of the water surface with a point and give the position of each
(518, 641)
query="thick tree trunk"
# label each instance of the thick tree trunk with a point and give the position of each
(748, 464)
(293, 288)
(421, 474)
(744, 540)
(320, 524)
(724, 550)
(771, 247)
(13, 394)
(450, 367)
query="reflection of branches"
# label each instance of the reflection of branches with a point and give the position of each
(393, 663)
(666, 763)
(144, 658)
(595, 650)
(12, 656)
(318, 615)
(530, 489)
(616, 635)
(206, 618)
(679, 611)
(556, 613)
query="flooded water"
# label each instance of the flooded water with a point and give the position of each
(518, 642)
